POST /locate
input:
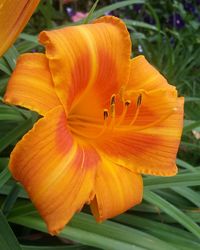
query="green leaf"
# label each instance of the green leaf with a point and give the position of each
(6, 189)
(26, 46)
(3, 162)
(46, 9)
(22, 209)
(16, 133)
(188, 179)
(115, 6)
(118, 231)
(189, 194)
(7, 237)
(185, 165)
(4, 66)
(29, 38)
(4, 176)
(190, 146)
(11, 57)
(7, 113)
(189, 127)
(108, 235)
(172, 211)
(176, 236)
(88, 17)
(76, 234)
(10, 199)
(140, 24)
(192, 99)
(67, 247)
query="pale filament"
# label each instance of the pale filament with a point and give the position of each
(124, 112)
(139, 102)
(112, 111)
(162, 118)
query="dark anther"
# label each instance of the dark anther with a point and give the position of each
(105, 114)
(127, 102)
(112, 100)
(139, 100)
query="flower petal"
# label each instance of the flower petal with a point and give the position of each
(144, 76)
(116, 190)
(31, 84)
(88, 62)
(150, 146)
(13, 17)
(57, 173)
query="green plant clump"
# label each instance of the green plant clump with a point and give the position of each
(168, 34)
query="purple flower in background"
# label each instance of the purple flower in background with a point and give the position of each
(75, 16)
(70, 11)
(148, 19)
(189, 6)
(137, 7)
(175, 20)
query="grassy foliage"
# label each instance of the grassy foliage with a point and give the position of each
(169, 216)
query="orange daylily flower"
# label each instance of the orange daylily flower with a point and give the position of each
(14, 15)
(106, 120)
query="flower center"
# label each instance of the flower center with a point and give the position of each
(112, 120)
(120, 116)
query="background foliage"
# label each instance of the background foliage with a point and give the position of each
(168, 34)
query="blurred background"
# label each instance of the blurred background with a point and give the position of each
(167, 33)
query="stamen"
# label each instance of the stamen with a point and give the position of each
(112, 110)
(113, 99)
(139, 102)
(112, 105)
(105, 114)
(162, 118)
(125, 108)
(127, 103)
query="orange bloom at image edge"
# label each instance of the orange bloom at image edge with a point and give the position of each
(13, 17)
(107, 119)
